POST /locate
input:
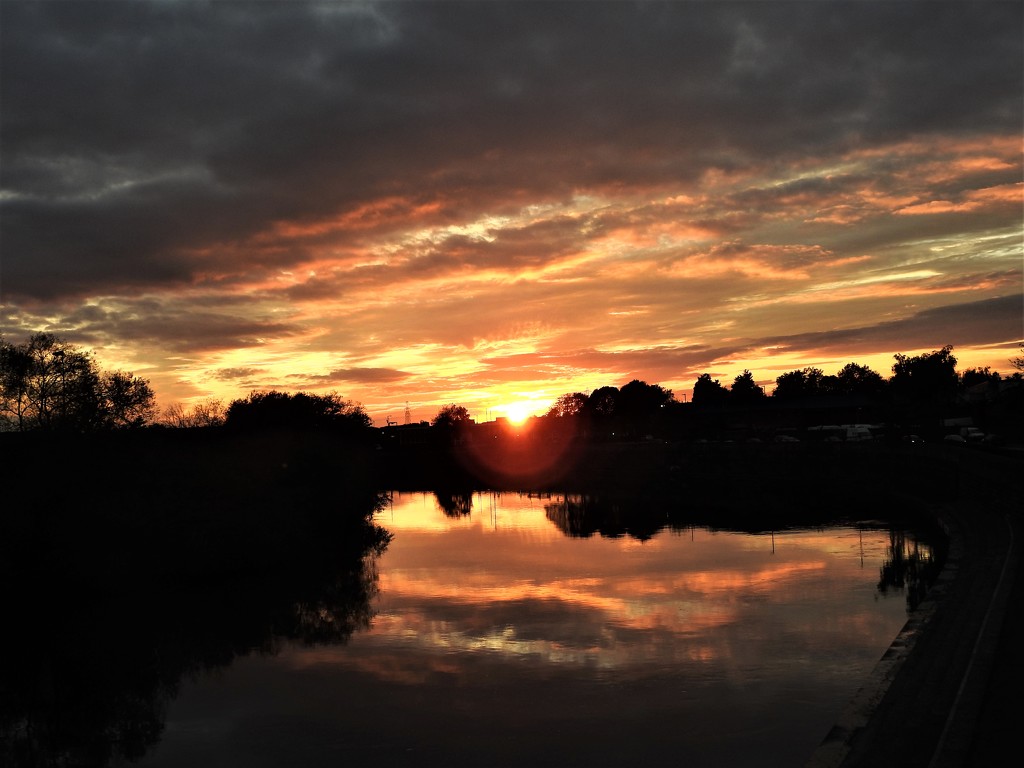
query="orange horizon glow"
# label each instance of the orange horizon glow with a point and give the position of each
(488, 406)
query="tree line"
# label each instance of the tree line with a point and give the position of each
(930, 377)
(921, 389)
(47, 384)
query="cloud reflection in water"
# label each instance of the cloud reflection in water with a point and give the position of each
(505, 581)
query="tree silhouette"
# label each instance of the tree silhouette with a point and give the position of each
(15, 403)
(854, 379)
(49, 384)
(973, 377)
(807, 382)
(927, 378)
(569, 404)
(127, 401)
(602, 402)
(452, 416)
(639, 405)
(709, 392)
(640, 398)
(281, 410)
(745, 391)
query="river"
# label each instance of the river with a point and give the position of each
(515, 629)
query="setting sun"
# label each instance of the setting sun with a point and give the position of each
(518, 412)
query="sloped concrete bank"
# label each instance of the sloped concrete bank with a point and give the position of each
(946, 692)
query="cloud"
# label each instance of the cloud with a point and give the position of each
(395, 195)
(230, 117)
(985, 322)
(232, 374)
(359, 375)
(972, 200)
(176, 328)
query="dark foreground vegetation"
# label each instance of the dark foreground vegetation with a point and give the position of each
(132, 561)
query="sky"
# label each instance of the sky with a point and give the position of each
(497, 203)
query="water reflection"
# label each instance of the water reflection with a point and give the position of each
(455, 503)
(909, 567)
(620, 600)
(480, 629)
(96, 649)
(584, 515)
(633, 640)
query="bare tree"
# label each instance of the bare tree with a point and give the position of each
(205, 413)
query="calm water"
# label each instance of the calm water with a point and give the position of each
(500, 640)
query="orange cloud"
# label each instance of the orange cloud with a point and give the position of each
(972, 201)
(382, 213)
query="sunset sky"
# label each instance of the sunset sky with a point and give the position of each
(498, 202)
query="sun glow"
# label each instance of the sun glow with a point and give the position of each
(517, 412)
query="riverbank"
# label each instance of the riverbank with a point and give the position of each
(947, 692)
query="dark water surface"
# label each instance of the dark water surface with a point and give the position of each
(507, 631)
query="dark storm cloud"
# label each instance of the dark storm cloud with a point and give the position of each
(978, 323)
(177, 329)
(138, 139)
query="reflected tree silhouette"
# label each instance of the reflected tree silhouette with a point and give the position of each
(569, 515)
(455, 503)
(909, 567)
(110, 604)
(89, 685)
(343, 608)
(611, 516)
(912, 564)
